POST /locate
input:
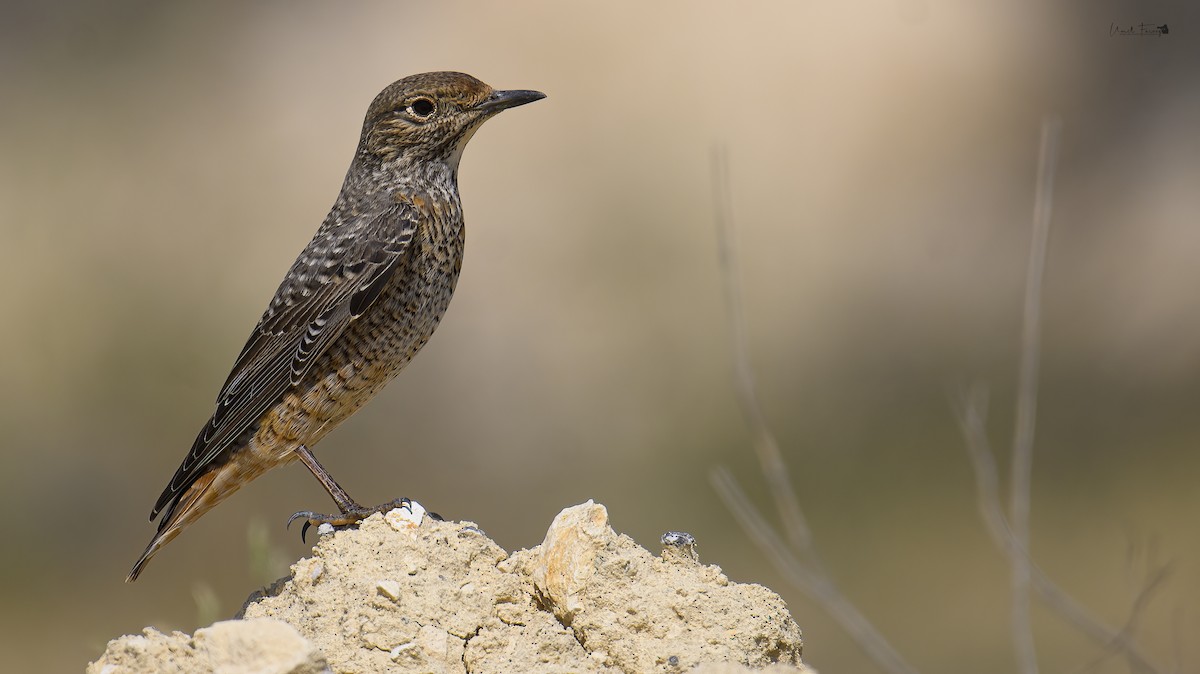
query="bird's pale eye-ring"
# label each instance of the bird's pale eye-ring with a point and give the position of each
(421, 108)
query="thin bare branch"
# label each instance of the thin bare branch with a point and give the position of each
(1027, 386)
(764, 535)
(812, 582)
(1127, 633)
(972, 417)
(972, 414)
(807, 574)
(765, 446)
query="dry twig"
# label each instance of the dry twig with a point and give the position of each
(808, 573)
(972, 415)
(1027, 387)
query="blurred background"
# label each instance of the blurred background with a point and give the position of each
(163, 163)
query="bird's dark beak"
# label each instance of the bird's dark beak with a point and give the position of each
(503, 100)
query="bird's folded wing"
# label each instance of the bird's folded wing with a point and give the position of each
(335, 279)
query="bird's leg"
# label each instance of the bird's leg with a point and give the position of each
(339, 495)
(351, 511)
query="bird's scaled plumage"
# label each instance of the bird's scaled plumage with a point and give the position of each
(357, 304)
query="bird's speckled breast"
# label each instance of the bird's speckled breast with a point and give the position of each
(378, 344)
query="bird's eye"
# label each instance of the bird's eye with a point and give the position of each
(421, 107)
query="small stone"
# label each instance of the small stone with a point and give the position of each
(395, 652)
(316, 571)
(406, 519)
(679, 545)
(389, 589)
(678, 538)
(325, 529)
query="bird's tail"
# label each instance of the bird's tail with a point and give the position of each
(193, 502)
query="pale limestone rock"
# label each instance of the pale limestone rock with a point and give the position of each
(442, 597)
(262, 646)
(647, 613)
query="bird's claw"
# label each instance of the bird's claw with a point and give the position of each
(351, 514)
(308, 517)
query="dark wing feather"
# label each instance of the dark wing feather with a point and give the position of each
(334, 280)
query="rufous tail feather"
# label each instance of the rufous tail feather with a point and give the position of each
(194, 502)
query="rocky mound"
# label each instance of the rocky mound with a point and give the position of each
(398, 594)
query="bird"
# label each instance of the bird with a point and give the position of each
(355, 307)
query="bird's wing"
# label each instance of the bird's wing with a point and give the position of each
(334, 280)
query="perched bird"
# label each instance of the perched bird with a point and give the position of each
(357, 304)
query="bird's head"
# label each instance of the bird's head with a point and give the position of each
(428, 118)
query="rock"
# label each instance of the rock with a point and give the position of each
(645, 613)
(263, 646)
(443, 597)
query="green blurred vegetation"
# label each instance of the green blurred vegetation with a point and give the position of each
(162, 164)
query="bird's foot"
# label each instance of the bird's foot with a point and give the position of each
(351, 514)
